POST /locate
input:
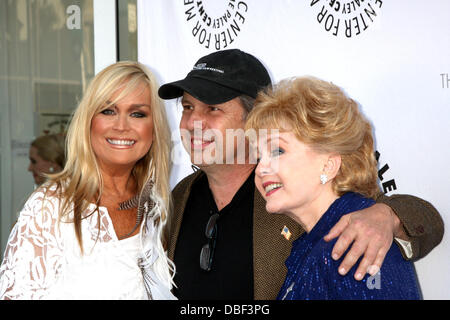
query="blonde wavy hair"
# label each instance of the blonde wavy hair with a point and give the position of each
(323, 117)
(80, 182)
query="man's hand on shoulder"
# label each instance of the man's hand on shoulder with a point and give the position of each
(370, 233)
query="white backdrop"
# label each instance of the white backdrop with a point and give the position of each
(393, 57)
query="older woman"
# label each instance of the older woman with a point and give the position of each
(47, 156)
(317, 165)
(94, 230)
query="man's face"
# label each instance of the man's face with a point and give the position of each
(213, 134)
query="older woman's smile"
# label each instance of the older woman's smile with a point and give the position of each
(271, 187)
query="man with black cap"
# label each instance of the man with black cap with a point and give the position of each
(223, 242)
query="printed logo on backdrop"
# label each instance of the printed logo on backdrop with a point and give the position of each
(445, 80)
(215, 24)
(346, 18)
(386, 185)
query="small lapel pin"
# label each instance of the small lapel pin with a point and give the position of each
(286, 233)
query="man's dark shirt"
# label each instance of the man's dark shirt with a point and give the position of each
(231, 274)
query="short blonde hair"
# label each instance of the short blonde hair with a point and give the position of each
(323, 117)
(51, 147)
(81, 176)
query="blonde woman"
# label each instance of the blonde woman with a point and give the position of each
(316, 166)
(46, 156)
(95, 230)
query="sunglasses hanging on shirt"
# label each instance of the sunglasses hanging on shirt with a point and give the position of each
(207, 252)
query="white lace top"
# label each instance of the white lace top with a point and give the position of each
(43, 259)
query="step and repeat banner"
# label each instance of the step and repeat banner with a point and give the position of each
(392, 57)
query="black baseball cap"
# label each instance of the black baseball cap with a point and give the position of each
(220, 77)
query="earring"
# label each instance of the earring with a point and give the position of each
(51, 169)
(323, 178)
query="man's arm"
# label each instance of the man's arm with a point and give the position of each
(420, 222)
(372, 230)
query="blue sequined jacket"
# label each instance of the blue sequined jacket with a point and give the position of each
(313, 274)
